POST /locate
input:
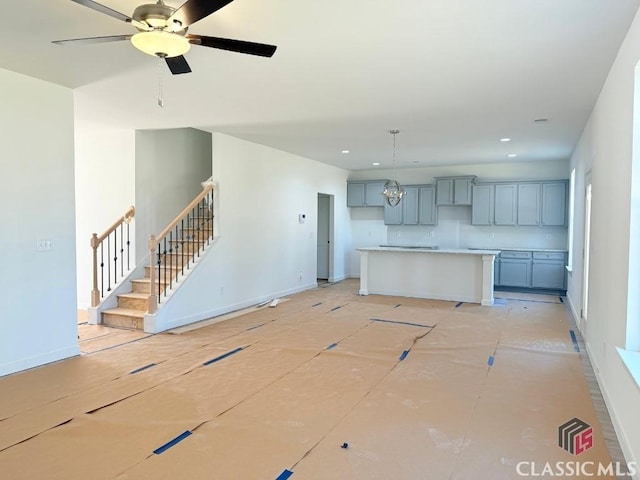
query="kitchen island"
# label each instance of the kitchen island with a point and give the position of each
(460, 275)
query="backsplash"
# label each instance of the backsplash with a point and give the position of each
(454, 230)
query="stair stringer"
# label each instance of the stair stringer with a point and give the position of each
(153, 321)
(110, 300)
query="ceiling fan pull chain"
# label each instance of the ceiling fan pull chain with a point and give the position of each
(160, 86)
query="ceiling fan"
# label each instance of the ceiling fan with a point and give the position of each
(162, 31)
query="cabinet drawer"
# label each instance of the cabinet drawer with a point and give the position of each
(548, 256)
(523, 255)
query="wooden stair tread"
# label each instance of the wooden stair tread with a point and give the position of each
(147, 280)
(125, 312)
(134, 295)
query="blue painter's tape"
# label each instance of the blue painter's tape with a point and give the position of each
(404, 355)
(173, 442)
(221, 357)
(253, 328)
(284, 475)
(316, 305)
(336, 308)
(142, 369)
(401, 323)
(490, 361)
(561, 300)
(333, 345)
(458, 304)
(576, 347)
(397, 305)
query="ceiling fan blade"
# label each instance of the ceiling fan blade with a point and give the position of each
(193, 10)
(178, 65)
(102, 9)
(98, 7)
(240, 46)
(92, 40)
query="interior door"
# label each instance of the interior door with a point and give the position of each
(323, 236)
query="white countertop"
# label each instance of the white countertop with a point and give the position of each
(521, 249)
(464, 251)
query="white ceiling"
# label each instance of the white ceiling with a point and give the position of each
(454, 76)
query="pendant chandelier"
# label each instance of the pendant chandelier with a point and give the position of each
(393, 191)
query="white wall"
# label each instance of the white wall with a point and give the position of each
(105, 189)
(37, 288)
(454, 229)
(170, 166)
(605, 152)
(263, 250)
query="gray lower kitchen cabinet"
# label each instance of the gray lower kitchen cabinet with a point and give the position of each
(554, 204)
(365, 194)
(548, 270)
(483, 205)
(529, 204)
(428, 214)
(515, 273)
(409, 205)
(548, 274)
(506, 200)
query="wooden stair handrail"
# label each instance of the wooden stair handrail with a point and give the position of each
(207, 188)
(95, 243)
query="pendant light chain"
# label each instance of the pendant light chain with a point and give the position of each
(393, 191)
(160, 84)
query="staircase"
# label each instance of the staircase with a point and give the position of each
(175, 251)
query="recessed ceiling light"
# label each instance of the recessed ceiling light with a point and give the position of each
(541, 120)
(346, 151)
(512, 155)
(375, 164)
(505, 139)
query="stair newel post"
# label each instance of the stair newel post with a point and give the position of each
(153, 298)
(95, 293)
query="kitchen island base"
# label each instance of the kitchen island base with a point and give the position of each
(454, 275)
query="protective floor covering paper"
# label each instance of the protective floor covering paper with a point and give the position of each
(327, 385)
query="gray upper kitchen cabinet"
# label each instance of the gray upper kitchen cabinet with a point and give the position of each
(393, 215)
(506, 200)
(529, 204)
(554, 204)
(427, 206)
(454, 190)
(482, 209)
(365, 194)
(409, 205)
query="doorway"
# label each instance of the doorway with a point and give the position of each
(585, 254)
(325, 237)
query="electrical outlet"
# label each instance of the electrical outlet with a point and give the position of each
(44, 245)
(432, 234)
(221, 291)
(492, 235)
(300, 276)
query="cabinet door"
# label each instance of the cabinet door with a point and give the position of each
(529, 204)
(444, 191)
(554, 204)
(373, 194)
(482, 207)
(393, 215)
(462, 191)
(515, 273)
(505, 204)
(409, 204)
(355, 195)
(548, 274)
(496, 271)
(427, 210)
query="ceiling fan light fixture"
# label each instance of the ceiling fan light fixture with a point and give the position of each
(161, 44)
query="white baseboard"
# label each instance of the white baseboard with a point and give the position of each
(155, 323)
(39, 360)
